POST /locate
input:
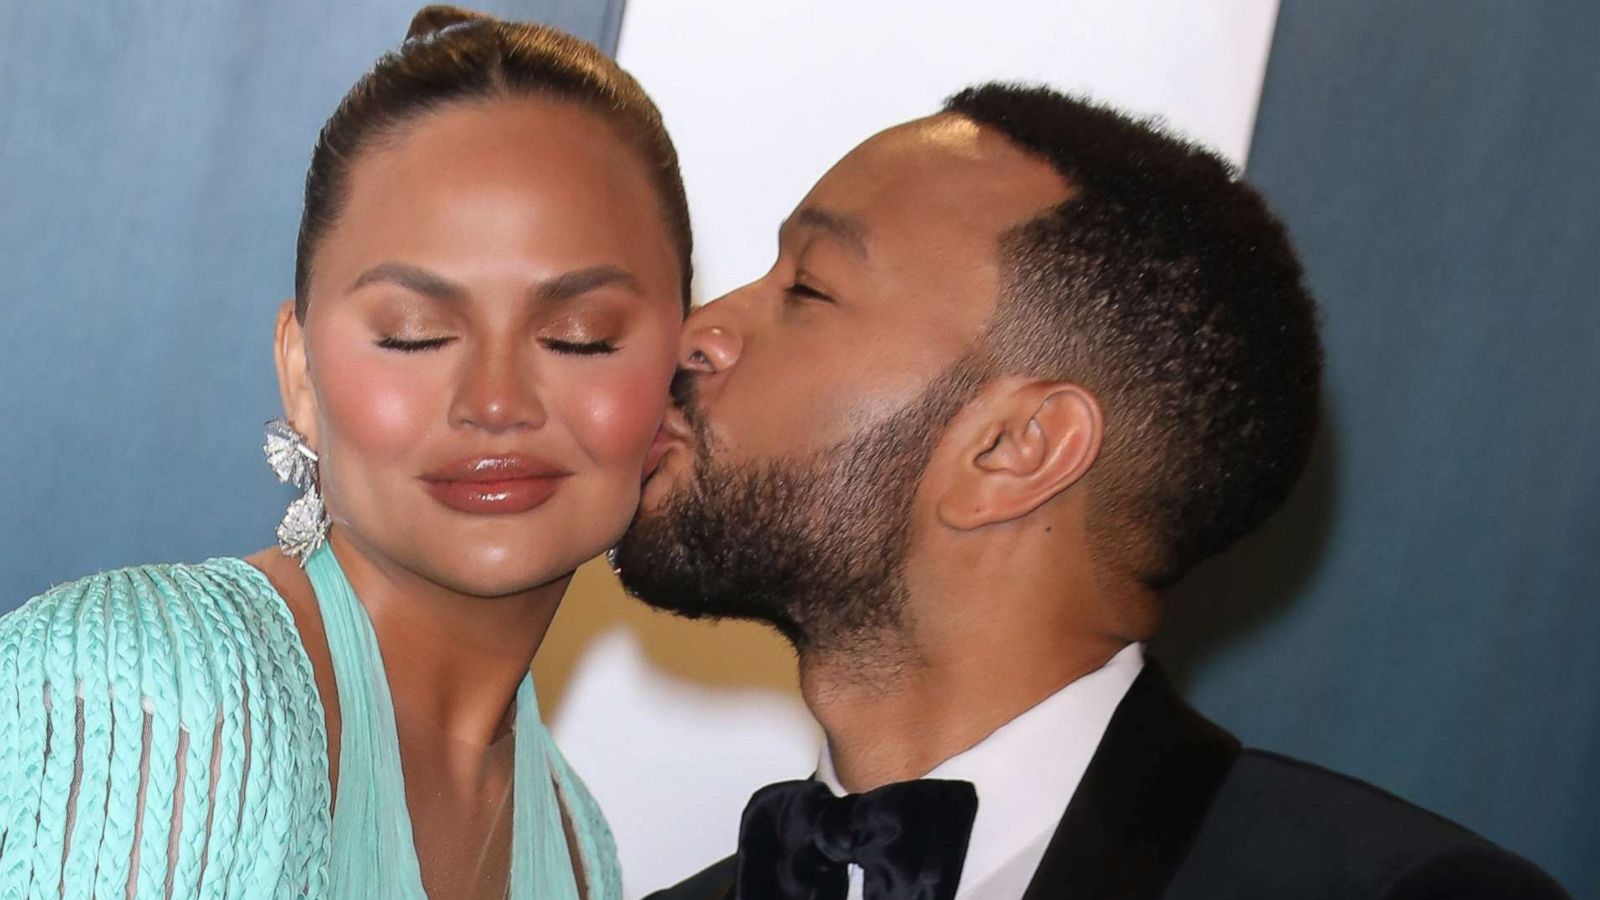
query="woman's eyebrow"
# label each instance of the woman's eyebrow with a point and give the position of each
(412, 278)
(551, 290)
(581, 281)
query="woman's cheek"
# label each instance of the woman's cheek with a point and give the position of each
(616, 415)
(375, 401)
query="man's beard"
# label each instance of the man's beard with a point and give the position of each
(814, 547)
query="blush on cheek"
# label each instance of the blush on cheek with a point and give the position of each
(373, 402)
(615, 416)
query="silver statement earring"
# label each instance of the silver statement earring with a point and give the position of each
(305, 523)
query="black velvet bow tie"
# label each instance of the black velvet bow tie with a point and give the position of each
(910, 840)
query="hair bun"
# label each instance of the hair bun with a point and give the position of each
(434, 19)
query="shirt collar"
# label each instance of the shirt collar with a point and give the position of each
(1027, 770)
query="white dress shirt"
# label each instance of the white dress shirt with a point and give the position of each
(1025, 773)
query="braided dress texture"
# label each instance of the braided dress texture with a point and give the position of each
(161, 736)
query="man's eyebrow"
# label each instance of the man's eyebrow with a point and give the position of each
(848, 229)
(552, 290)
(412, 278)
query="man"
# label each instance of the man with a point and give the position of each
(1018, 367)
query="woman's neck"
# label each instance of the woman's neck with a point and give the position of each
(454, 661)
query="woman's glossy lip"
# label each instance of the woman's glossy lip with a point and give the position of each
(498, 467)
(495, 485)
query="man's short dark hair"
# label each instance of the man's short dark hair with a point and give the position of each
(1165, 286)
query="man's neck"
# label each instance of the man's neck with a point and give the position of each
(899, 724)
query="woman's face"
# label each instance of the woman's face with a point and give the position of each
(492, 326)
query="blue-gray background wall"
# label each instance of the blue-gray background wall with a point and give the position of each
(1426, 612)
(1423, 614)
(152, 157)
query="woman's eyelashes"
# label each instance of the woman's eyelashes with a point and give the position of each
(405, 345)
(554, 345)
(578, 348)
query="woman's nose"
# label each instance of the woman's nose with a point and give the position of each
(496, 393)
(711, 343)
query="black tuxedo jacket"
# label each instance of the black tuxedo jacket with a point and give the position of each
(1171, 807)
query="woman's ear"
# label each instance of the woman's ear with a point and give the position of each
(294, 376)
(1036, 440)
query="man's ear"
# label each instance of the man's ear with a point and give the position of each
(294, 376)
(1032, 441)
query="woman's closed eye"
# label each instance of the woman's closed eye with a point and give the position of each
(413, 345)
(578, 348)
(555, 345)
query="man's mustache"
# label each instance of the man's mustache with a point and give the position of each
(684, 392)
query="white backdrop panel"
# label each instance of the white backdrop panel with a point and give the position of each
(673, 724)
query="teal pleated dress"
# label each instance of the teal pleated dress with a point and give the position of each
(161, 735)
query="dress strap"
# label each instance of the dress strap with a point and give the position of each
(541, 865)
(374, 853)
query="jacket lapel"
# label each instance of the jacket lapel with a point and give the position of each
(1141, 801)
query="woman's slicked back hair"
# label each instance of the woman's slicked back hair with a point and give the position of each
(452, 55)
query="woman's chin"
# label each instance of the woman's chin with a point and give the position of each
(498, 571)
(492, 556)
(509, 585)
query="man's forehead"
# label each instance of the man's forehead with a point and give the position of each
(943, 170)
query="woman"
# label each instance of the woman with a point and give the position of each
(491, 277)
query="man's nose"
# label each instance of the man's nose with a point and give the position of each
(711, 340)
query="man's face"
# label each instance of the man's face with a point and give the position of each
(816, 393)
